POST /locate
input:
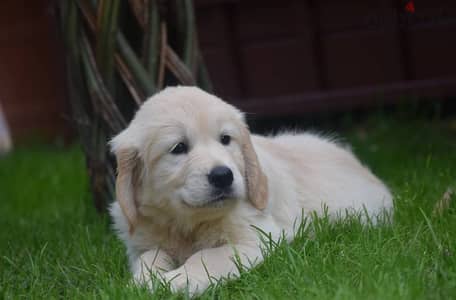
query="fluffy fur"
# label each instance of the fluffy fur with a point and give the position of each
(165, 212)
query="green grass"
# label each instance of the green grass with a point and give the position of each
(53, 245)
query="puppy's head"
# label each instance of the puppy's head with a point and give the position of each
(186, 154)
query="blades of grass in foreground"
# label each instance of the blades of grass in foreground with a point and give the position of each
(72, 253)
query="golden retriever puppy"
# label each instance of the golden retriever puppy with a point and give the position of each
(194, 186)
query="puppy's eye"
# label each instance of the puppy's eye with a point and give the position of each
(225, 139)
(179, 148)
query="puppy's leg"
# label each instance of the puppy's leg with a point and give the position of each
(212, 264)
(154, 261)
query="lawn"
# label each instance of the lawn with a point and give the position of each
(53, 244)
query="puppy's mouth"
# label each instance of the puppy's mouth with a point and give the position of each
(217, 199)
(220, 196)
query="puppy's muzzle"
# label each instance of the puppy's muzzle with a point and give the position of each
(221, 178)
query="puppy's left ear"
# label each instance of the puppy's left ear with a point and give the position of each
(256, 180)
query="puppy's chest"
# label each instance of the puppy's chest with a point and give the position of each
(180, 246)
(181, 249)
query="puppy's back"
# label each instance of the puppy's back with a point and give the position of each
(325, 173)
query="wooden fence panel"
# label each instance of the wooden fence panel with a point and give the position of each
(295, 56)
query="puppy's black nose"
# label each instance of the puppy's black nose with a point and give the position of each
(221, 177)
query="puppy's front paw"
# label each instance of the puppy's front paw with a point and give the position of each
(180, 281)
(145, 279)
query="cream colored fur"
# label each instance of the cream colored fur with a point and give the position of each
(163, 211)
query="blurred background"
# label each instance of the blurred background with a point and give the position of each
(271, 58)
(286, 63)
(377, 75)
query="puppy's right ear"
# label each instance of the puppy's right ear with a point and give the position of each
(127, 184)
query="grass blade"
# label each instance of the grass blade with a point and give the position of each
(178, 68)
(103, 102)
(107, 27)
(186, 31)
(151, 39)
(135, 65)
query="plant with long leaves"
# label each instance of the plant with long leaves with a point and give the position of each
(118, 53)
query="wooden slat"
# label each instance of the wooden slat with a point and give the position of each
(31, 68)
(231, 16)
(343, 99)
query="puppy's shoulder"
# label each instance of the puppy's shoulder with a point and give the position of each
(119, 222)
(299, 139)
(136, 242)
(309, 138)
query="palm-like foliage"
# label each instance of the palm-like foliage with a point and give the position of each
(118, 53)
